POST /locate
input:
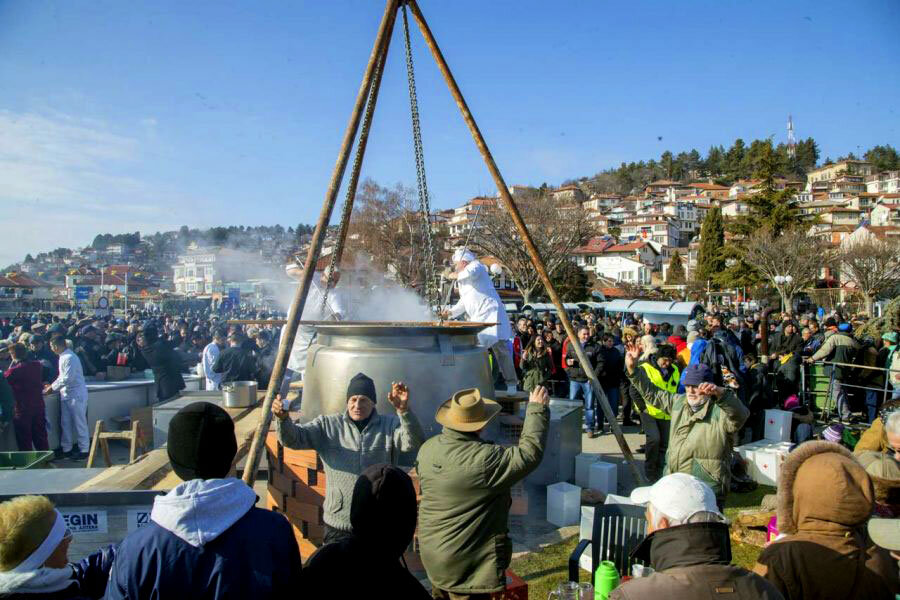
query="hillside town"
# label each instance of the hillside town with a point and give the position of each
(626, 246)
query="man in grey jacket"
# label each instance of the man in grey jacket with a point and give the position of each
(349, 442)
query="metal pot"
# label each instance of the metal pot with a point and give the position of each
(435, 360)
(239, 394)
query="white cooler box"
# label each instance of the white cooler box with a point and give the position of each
(778, 425)
(764, 459)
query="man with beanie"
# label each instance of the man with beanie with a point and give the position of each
(206, 539)
(703, 422)
(383, 516)
(349, 442)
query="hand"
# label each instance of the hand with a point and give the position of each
(445, 314)
(539, 395)
(570, 361)
(278, 408)
(710, 389)
(632, 354)
(452, 275)
(48, 389)
(399, 397)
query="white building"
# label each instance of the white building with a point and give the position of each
(621, 269)
(886, 182)
(203, 271)
(662, 231)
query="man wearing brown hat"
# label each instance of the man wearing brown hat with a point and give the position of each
(463, 534)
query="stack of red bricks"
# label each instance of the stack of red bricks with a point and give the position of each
(297, 490)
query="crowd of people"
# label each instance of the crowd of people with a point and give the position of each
(695, 390)
(47, 353)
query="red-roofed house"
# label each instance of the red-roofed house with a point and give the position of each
(19, 285)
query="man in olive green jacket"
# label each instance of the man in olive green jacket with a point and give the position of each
(463, 533)
(704, 421)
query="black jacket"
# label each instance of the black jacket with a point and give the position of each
(166, 369)
(236, 364)
(610, 367)
(576, 372)
(383, 517)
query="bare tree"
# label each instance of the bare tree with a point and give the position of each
(556, 228)
(790, 261)
(870, 264)
(386, 225)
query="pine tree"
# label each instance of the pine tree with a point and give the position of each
(710, 260)
(675, 273)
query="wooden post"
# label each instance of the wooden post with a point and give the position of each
(289, 333)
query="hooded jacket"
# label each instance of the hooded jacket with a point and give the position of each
(77, 581)
(383, 516)
(206, 539)
(693, 561)
(825, 499)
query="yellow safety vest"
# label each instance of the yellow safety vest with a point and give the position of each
(656, 379)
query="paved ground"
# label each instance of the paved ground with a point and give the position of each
(532, 531)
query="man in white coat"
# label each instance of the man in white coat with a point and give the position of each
(73, 399)
(313, 310)
(210, 354)
(479, 301)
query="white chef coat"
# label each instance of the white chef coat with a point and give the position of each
(478, 299)
(314, 311)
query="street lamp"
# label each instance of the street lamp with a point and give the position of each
(781, 280)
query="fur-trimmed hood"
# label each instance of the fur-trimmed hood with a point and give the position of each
(823, 490)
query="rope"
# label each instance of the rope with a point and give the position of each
(431, 292)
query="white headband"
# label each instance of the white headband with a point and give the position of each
(37, 558)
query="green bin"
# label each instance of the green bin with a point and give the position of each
(818, 381)
(32, 459)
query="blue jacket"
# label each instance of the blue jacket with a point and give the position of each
(206, 540)
(85, 580)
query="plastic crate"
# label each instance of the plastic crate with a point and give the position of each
(31, 459)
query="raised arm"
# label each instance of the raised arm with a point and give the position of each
(508, 466)
(409, 435)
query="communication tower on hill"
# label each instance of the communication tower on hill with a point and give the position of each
(792, 143)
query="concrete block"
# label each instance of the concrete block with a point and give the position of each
(563, 504)
(602, 476)
(582, 462)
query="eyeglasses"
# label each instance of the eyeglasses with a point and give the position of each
(67, 535)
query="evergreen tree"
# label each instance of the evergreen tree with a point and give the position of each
(675, 273)
(734, 161)
(883, 158)
(710, 260)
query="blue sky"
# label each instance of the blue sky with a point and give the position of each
(146, 115)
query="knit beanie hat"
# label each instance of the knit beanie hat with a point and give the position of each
(201, 443)
(362, 385)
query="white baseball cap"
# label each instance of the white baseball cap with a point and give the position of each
(678, 496)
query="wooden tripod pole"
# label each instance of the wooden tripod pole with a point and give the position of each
(525, 235)
(289, 333)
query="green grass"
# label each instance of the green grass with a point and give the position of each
(544, 570)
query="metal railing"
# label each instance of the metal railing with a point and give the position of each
(810, 391)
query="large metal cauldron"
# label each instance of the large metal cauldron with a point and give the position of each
(434, 359)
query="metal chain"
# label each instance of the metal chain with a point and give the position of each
(431, 292)
(351, 187)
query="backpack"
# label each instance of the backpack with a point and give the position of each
(724, 364)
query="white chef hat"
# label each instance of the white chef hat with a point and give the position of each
(463, 254)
